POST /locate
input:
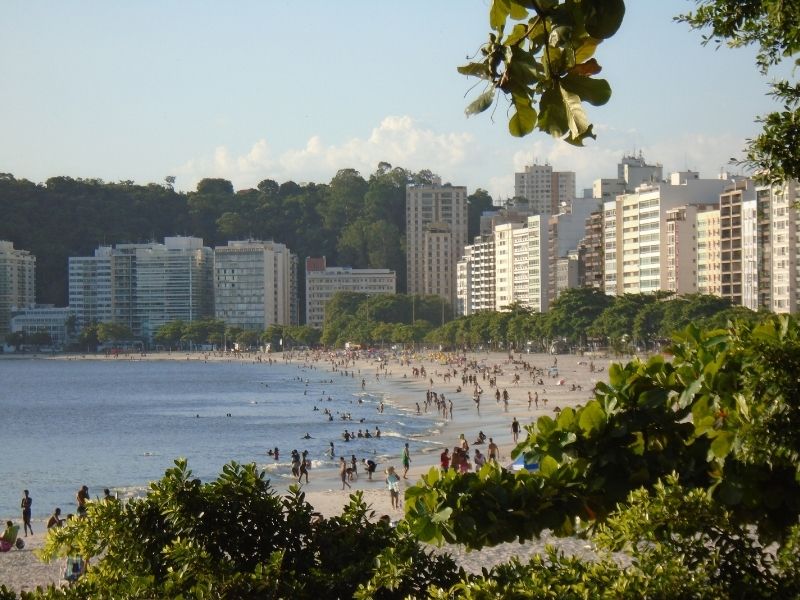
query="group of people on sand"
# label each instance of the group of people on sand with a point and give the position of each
(75, 565)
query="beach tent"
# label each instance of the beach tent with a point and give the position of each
(519, 464)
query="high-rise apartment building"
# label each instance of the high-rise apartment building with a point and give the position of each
(144, 286)
(732, 202)
(636, 232)
(544, 190)
(784, 235)
(255, 284)
(436, 234)
(90, 287)
(17, 283)
(591, 252)
(322, 282)
(476, 277)
(709, 275)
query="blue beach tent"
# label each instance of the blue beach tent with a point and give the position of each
(519, 464)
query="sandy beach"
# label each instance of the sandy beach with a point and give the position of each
(22, 570)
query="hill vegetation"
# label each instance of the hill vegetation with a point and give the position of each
(352, 221)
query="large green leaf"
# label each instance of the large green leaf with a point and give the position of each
(475, 70)
(524, 119)
(593, 91)
(603, 17)
(498, 14)
(579, 126)
(481, 103)
(591, 417)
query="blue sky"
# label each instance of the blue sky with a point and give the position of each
(250, 90)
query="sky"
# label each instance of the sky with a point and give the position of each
(287, 90)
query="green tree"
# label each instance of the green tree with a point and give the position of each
(772, 26)
(235, 537)
(478, 202)
(723, 417)
(540, 56)
(170, 334)
(16, 339)
(113, 332)
(247, 339)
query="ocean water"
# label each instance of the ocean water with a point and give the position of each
(121, 423)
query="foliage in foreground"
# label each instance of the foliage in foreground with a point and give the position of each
(724, 415)
(233, 538)
(540, 55)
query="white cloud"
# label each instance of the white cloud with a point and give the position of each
(397, 140)
(457, 156)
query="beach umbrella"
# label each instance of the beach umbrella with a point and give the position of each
(519, 464)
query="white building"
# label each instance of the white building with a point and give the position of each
(436, 234)
(48, 319)
(17, 283)
(635, 231)
(253, 284)
(145, 285)
(90, 287)
(783, 223)
(322, 282)
(544, 189)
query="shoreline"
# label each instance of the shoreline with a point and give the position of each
(22, 570)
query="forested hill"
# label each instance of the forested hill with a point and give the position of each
(351, 220)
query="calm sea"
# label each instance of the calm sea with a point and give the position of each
(120, 423)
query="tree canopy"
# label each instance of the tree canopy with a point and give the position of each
(540, 55)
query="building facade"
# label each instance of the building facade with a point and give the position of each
(636, 232)
(143, 286)
(322, 282)
(255, 284)
(17, 283)
(544, 190)
(436, 234)
(709, 274)
(57, 323)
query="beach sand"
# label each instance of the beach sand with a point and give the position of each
(22, 570)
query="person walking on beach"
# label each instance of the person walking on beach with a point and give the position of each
(493, 450)
(25, 505)
(444, 459)
(515, 429)
(406, 461)
(343, 471)
(393, 483)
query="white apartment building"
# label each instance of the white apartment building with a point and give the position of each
(476, 277)
(538, 263)
(90, 287)
(682, 247)
(709, 278)
(632, 171)
(635, 231)
(752, 253)
(253, 284)
(322, 282)
(504, 265)
(464, 284)
(145, 285)
(436, 234)
(17, 283)
(544, 189)
(45, 318)
(784, 284)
